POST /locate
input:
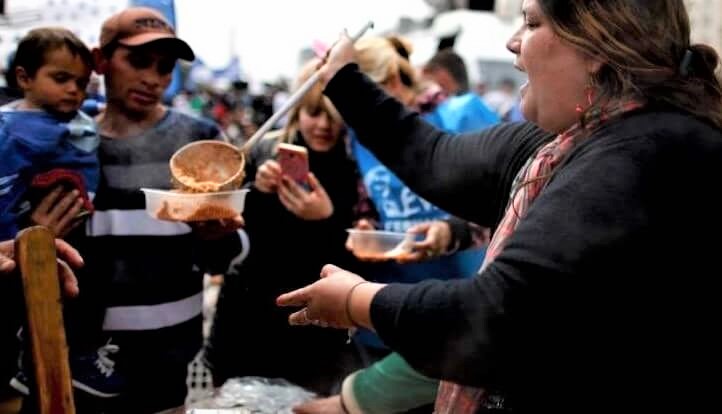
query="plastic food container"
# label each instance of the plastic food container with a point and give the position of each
(380, 245)
(185, 207)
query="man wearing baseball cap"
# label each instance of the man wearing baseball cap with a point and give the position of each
(147, 273)
(140, 26)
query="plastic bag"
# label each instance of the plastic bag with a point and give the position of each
(248, 395)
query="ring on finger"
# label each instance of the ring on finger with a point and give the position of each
(319, 323)
(307, 319)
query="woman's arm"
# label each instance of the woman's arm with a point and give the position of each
(559, 267)
(468, 175)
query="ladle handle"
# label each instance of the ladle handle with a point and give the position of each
(294, 99)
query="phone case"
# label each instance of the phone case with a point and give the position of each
(293, 160)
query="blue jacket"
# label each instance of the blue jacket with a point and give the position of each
(33, 142)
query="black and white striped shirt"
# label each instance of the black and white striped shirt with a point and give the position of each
(152, 270)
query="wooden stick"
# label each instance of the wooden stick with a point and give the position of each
(36, 259)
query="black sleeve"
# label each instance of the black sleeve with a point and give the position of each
(472, 331)
(465, 235)
(468, 175)
(216, 255)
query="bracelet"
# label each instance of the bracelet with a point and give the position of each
(348, 301)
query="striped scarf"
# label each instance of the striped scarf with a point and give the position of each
(528, 184)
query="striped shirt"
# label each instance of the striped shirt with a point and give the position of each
(152, 269)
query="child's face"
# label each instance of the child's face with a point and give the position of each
(59, 85)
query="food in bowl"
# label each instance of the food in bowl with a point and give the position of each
(187, 207)
(207, 166)
(205, 211)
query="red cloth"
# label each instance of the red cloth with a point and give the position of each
(69, 178)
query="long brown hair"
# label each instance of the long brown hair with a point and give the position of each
(646, 50)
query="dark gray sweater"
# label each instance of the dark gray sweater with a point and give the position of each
(603, 298)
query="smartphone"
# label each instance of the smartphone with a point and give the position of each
(293, 160)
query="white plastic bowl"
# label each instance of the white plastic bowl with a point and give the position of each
(186, 207)
(380, 245)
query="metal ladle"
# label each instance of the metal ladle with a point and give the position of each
(212, 165)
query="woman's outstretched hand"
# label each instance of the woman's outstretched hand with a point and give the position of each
(341, 299)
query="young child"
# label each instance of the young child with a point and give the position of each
(46, 142)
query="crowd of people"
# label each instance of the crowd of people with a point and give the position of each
(557, 265)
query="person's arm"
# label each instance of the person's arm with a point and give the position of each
(68, 259)
(444, 237)
(554, 269)
(364, 209)
(465, 235)
(467, 175)
(388, 386)
(216, 254)
(7, 256)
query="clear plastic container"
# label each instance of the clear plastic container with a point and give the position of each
(380, 245)
(186, 207)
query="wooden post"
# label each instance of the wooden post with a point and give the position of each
(36, 259)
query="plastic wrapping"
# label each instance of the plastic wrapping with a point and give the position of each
(253, 395)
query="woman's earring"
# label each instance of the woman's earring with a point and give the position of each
(590, 92)
(591, 89)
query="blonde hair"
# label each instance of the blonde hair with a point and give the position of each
(380, 58)
(313, 102)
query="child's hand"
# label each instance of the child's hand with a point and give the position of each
(58, 211)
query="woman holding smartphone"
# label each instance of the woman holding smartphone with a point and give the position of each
(303, 198)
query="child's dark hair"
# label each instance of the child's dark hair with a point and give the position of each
(32, 49)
